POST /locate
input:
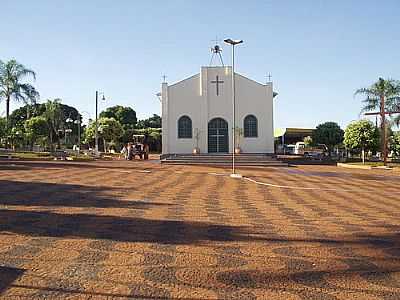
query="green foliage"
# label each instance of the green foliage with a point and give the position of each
(21, 114)
(109, 129)
(395, 143)
(36, 127)
(13, 86)
(55, 118)
(154, 137)
(361, 135)
(152, 122)
(126, 116)
(55, 114)
(3, 126)
(389, 89)
(328, 133)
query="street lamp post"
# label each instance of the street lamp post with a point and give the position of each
(68, 130)
(68, 120)
(78, 122)
(233, 43)
(96, 136)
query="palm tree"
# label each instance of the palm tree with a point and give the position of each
(12, 85)
(55, 118)
(384, 96)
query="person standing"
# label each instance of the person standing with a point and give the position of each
(146, 148)
(124, 152)
(130, 151)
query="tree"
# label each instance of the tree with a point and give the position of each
(152, 122)
(36, 127)
(383, 95)
(126, 116)
(395, 143)
(55, 113)
(328, 133)
(19, 116)
(12, 86)
(361, 136)
(110, 130)
(3, 131)
(55, 118)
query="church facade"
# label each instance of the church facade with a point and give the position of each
(197, 113)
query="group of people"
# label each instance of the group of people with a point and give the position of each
(129, 151)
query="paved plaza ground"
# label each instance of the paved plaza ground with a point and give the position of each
(139, 230)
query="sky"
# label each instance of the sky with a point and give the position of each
(318, 52)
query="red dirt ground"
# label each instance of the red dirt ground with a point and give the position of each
(139, 230)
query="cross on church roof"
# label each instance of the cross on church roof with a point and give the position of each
(269, 77)
(216, 41)
(164, 77)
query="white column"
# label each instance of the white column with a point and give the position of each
(205, 117)
(164, 116)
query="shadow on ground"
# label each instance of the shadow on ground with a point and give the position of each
(39, 223)
(8, 276)
(114, 164)
(68, 195)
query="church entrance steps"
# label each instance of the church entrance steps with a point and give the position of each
(263, 160)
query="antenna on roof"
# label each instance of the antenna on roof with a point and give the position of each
(216, 51)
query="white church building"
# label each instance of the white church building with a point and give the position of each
(197, 113)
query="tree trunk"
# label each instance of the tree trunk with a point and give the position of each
(7, 118)
(51, 140)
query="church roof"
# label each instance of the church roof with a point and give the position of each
(216, 67)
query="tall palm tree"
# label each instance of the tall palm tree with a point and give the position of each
(55, 118)
(384, 96)
(13, 86)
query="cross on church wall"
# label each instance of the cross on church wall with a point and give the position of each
(217, 82)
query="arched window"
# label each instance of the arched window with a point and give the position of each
(250, 126)
(184, 128)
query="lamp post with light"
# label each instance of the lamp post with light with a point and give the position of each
(77, 122)
(233, 43)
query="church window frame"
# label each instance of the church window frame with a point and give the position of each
(250, 126)
(185, 127)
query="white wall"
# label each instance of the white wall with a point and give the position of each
(196, 97)
(255, 99)
(184, 98)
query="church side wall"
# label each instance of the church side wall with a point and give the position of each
(184, 99)
(255, 99)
